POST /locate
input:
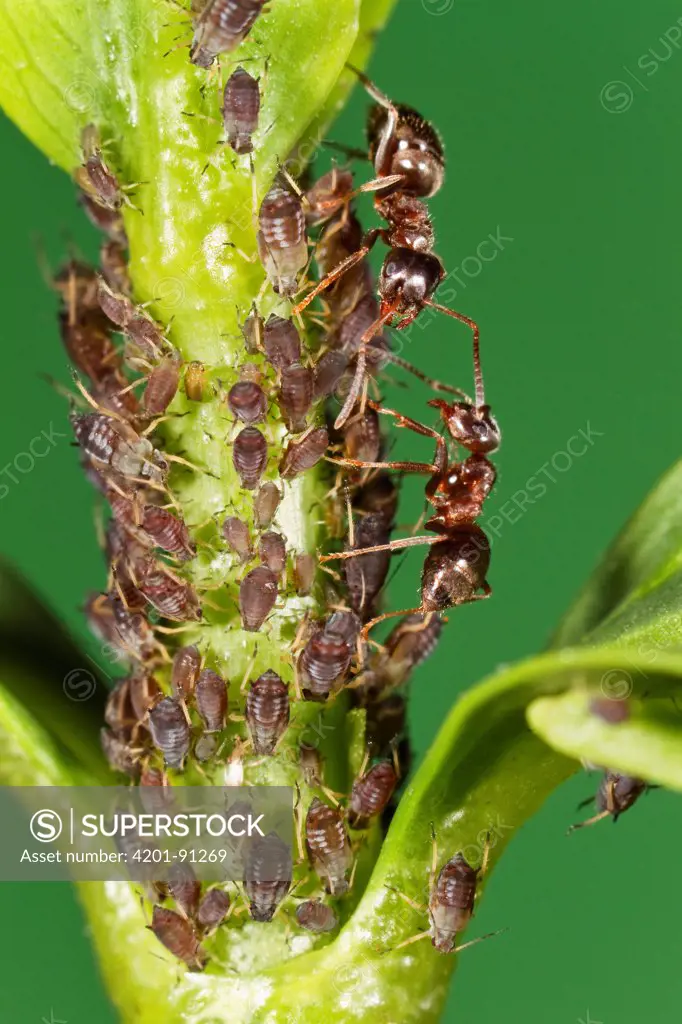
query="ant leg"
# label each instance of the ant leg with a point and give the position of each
(358, 381)
(435, 385)
(333, 275)
(386, 615)
(441, 459)
(382, 159)
(478, 375)
(402, 467)
(394, 545)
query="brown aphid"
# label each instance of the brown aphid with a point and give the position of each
(114, 263)
(282, 241)
(195, 381)
(328, 195)
(295, 396)
(257, 596)
(213, 909)
(379, 494)
(137, 325)
(371, 794)
(267, 711)
(172, 597)
(250, 456)
(156, 793)
(170, 731)
(315, 916)
(162, 386)
(451, 904)
(267, 876)
(168, 532)
(238, 538)
(121, 755)
(210, 698)
(220, 27)
(177, 934)
(616, 794)
(112, 445)
(265, 504)
(328, 846)
(108, 221)
(281, 342)
(144, 692)
(91, 350)
(324, 662)
(93, 176)
(386, 721)
(206, 746)
(247, 402)
(184, 888)
(327, 373)
(135, 633)
(272, 551)
(119, 714)
(310, 760)
(241, 107)
(304, 573)
(304, 452)
(366, 574)
(362, 436)
(612, 711)
(252, 330)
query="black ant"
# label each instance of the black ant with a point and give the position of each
(455, 571)
(401, 142)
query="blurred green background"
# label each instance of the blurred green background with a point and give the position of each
(562, 130)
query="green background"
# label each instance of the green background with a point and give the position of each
(579, 312)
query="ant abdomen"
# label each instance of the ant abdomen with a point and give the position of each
(455, 569)
(416, 151)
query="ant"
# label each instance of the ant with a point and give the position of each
(455, 571)
(403, 143)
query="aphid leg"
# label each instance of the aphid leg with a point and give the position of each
(590, 821)
(486, 856)
(408, 942)
(434, 858)
(91, 401)
(300, 825)
(481, 938)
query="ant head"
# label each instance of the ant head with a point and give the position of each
(409, 278)
(472, 426)
(418, 153)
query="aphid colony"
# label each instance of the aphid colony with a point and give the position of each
(175, 710)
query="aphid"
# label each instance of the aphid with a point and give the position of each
(304, 573)
(250, 456)
(162, 386)
(122, 757)
(177, 934)
(295, 396)
(114, 263)
(267, 876)
(328, 846)
(366, 574)
(257, 596)
(247, 402)
(616, 794)
(108, 221)
(170, 731)
(135, 632)
(156, 793)
(144, 692)
(324, 662)
(267, 711)
(168, 532)
(304, 452)
(195, 381)
(272, 551)
(185, 672)
(111, 444)
(206, 746)
(379, 494)
(236, 534)
(210, 698)
(94, 177)
(281, 342)
(241, 106)
(371, 793)
(411, 642)
(213, 909)
(252, 330)
(310, 761)
(265, 504)
(612, 711)
(315, 916)
(137, 325)
(362, 436)
(327, 373)
(91, 350)
(172, 597)
(119, 714)
(282, 242)
(328, 195)
(184, 888)
(385, 724)
(220, 27)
